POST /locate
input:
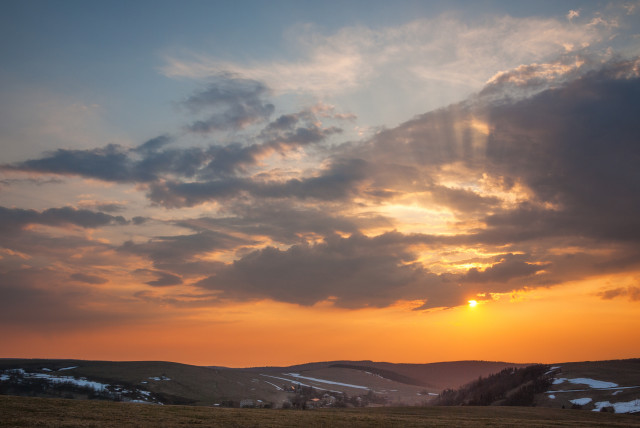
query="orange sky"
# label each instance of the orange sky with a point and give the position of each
(547, 326)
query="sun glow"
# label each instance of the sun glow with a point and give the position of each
(473, 303)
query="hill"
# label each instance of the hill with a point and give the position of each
(174, 383)
(604, 386)
(608, 386)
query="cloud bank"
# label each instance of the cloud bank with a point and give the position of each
(530, 183)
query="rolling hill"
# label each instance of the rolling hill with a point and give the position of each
(610, 385)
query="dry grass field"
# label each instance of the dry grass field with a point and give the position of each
(42, 412)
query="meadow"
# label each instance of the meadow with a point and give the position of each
(30, 412)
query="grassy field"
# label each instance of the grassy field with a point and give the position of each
(31, 412)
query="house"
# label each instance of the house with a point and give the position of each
(247, 402)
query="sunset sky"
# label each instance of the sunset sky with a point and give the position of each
(278, 182)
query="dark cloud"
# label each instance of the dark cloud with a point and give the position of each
(201, 170)
(154, 144)
(509, 267)
(14, 219)
(283, 123)
(88, 279)
(163, 279)
(576, 147)
(175, 253)
(336, 182)
(138, 220)
(108, 163)
(632, 293)
(235, 102)
(354, 272)
(36, 181)
(287, 222)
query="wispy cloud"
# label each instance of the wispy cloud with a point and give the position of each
(445, 48)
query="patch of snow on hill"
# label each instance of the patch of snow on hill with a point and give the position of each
(300, 383)
(296, 375)
(68, 379)
(67, 368)
(592, 383)
(581, 401)
(274, 385)
(632, 406)
(160, 378)
(552, 369)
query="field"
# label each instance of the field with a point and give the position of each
(29, 412)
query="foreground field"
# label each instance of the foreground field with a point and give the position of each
(29, 412)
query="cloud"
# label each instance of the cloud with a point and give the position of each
(236, 103)
(442, 49)
(352, 272)
(337, 181)
(527, 186)
(163, 279)
(88, 279)
(177, 254)
(509, 267)
(574, 148)
(573, 14)
(13, 219)
(632, 293)
(287, 222)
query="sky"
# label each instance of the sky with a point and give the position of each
(271, 183)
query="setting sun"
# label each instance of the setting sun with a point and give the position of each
(473, 303)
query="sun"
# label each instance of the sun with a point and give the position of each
(473, 303)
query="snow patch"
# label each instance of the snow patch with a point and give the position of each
(46, 370)
(617, 392)
(301, 384)
(632, 406)
(296, 375)
(591, 383)
(551, 396)
(581, 401)
(67, 368)
(274, 385)
(69, 379)
(160, 378)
